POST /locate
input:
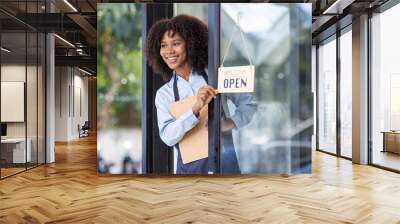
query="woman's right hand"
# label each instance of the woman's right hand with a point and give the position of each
(204, 97)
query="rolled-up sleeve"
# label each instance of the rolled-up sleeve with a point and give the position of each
(246, 106)
(172, 130)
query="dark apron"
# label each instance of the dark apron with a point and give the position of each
(228, 158)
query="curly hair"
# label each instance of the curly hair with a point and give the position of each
(193, 31)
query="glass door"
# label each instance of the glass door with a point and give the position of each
(385, 89)
(268, 130)
(327, 96)
(14, 153)
(346, 93)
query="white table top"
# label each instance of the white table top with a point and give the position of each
(13, 140)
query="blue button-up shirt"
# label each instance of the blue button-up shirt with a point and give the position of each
(172, 130)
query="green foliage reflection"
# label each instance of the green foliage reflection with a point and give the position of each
(119, 69)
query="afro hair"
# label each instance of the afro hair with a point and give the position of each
(193, 31)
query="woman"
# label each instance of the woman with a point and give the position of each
(177, 49)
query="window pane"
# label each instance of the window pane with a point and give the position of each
(119, 83)
(345, 94)
(273, 125)
(327, 96)
(13, 84)
(385, 84)
(41, 98)
(32, 97)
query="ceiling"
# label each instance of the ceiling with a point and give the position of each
(330, 15)
(76, 22)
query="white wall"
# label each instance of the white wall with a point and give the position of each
(33, 125)
(80, 100)
(61, 103)
(12, 73)
(12, 101)
(71, 94)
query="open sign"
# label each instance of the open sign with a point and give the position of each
(235, 83)
(239, 79)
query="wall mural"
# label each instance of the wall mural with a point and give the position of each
(264, 128)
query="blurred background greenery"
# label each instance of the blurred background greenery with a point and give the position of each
(119, 88)
(119, 64)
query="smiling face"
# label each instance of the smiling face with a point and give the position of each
(173, 50)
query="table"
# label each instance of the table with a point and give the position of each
(15, 148)
(391, 141)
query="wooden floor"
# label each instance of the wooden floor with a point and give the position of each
(10, 171)
(70, 191)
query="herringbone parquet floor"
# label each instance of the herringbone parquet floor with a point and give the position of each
(70, 191)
